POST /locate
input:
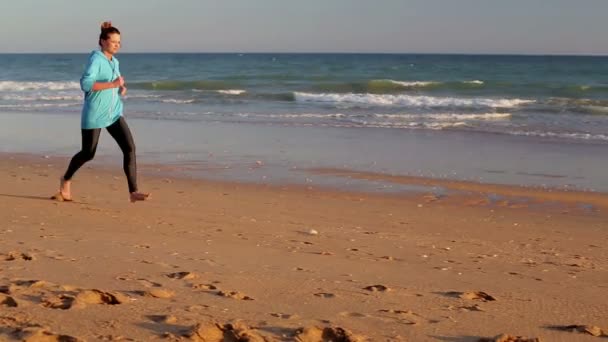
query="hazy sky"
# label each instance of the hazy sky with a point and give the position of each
(445, 26)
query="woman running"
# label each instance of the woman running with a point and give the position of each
(103, 87)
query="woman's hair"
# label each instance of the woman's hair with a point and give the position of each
(106, 30)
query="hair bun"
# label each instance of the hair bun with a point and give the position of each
(106, 25)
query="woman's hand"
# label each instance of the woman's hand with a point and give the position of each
(122, 91)
(119, 82)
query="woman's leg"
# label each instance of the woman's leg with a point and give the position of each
(122, 134)
(90, 139)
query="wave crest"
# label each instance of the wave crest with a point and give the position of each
(411, 101)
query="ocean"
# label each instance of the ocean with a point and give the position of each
(532, 120)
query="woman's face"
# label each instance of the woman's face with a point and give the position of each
(112, 44)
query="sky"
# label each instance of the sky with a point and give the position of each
(383, 26)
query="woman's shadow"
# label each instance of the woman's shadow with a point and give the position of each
(40, 198)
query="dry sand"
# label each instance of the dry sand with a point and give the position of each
(210, 261)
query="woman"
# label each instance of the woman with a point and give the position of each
(103, 86)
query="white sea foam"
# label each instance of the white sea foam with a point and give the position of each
(40, 105)
(21, 86)
(411, 124)
(402, 100)
(232, 91)
(400, 117)
(411, 84)
(41, 97)
(293, 115)
(447, 116)
(580, 136)
(142, 96)
(596, 109)
(177, 101)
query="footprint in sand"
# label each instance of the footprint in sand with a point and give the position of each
(234, 295)
(583, 329)
(479, 295)
(148, 283)
(509, 338)
(397, 312)
(284, 315)
(12, 256)
(182, 275)
(404, 316)
(9, 301)
(60, 302)
(475, 307)
(157, 293)
(580, 262)
(353, 314)
(166, 319)
(302, 242)
(61, 257)
(20, 284)
(113, 338)
(377, 288)
(95, 296)
(325, 295)
(144, 246)
(212, 331)
(316, 334)
(204, 287)
(81, 299)
(24, 331)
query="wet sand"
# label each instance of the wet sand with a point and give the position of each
(256, 262)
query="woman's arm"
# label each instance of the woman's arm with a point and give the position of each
(88, 80)
(117, 83)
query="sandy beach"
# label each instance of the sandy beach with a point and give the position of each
(212, 261)
(304, 172)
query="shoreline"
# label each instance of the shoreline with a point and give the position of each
(425, 189)
(273, 259)
(258, 152)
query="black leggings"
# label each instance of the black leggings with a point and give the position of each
(90, 137)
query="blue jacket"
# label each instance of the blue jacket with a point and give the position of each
(104, 107)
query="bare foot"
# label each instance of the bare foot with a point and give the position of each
(65, 189)
(138, 196)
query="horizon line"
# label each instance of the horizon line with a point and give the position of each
(565, 54)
